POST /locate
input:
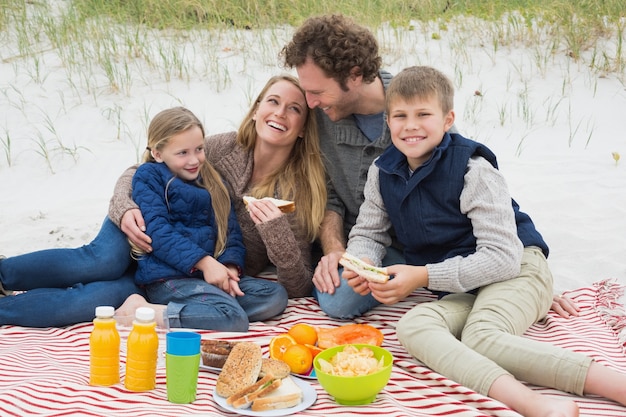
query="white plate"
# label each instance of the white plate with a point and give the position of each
(309, 395)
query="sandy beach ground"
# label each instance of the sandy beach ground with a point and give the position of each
(554, 123)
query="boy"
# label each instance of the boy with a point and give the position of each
(466, 240)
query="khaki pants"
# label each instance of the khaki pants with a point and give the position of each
(474, 339)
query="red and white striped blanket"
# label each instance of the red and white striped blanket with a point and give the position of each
(45, 371)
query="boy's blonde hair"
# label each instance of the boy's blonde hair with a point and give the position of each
(302, 177)
(421, 82)
(162, 128)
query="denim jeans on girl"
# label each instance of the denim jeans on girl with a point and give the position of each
(193, 303)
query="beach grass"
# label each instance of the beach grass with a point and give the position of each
(110, 46)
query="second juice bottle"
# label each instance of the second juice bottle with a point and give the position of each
(142, 352)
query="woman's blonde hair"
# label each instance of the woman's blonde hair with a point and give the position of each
(302, 177)
(169, 123)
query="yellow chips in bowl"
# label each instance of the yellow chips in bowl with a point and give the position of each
(352, 362)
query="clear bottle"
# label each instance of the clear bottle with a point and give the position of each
(104, 349)
(142, 352)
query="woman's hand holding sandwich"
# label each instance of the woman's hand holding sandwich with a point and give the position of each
(263, 210)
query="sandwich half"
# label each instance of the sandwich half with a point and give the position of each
(285, 206)
(263, 387)
(287, 395)
(367, 271)
(240, 370)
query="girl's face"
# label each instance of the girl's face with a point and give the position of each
(417, 127)
(183, 154)
(281, 114)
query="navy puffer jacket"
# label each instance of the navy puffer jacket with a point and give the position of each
(180, 220)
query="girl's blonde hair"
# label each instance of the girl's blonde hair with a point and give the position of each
(163, 127)
(302, 177)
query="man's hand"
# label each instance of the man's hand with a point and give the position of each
(326, 277)
(564, 306)
(133, 226)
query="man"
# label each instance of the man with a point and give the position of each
(338, 65)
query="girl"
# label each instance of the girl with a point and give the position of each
(193, 273)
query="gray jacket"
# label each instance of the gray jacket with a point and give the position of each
(348, 154)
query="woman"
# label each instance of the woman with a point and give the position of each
(275, 153)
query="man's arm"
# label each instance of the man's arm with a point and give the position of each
(326, 277)
(331, 233)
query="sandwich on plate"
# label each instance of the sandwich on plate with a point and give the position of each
(367, 271)
(240, 370)
(287, 394)
(249, 381)
(285, 206)
(245, 397)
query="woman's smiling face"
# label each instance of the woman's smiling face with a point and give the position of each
(281, 114)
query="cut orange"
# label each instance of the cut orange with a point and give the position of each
(314, 350)
(279, 344)
(299, 358)
(303, 334)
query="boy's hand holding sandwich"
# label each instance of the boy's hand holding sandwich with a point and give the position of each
(362, 268)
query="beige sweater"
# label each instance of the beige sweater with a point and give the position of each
(279, 242)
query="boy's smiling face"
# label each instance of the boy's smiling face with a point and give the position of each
(417, 127)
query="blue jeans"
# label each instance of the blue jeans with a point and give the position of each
(346, 304)
(194, 303)
(64, 286)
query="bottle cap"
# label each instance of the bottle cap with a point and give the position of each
(144, 314)
(105, 311)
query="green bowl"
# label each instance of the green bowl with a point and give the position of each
(354, 390)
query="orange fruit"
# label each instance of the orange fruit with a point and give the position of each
(279, 344)
(303, 333)
(314, 350)
(299, 358)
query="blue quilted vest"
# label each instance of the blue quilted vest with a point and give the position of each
(425, 208)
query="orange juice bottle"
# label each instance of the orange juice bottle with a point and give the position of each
(142, 351)
(104, 349)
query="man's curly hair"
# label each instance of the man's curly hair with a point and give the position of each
(335, 44)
